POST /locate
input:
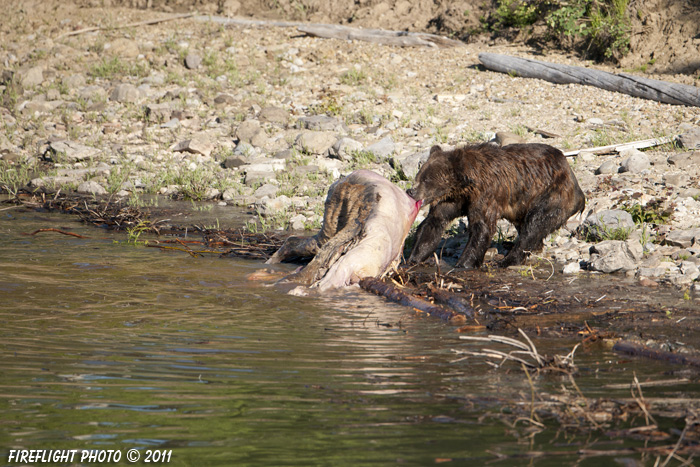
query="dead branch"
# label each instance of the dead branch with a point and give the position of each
(57, 231)
(122, 26)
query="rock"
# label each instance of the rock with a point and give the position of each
(270, 206)
(274, 115)
(91, 187)
(674, 179)
(572, 268)
(450, 98)
(229, 194)
(690, 269)
(321, 123)
(224, 99)
(253, 177)
(344, 148)
(615, 255)
(268, 190)
(172, 123)
(586, 156)
(232, 162)
(600, 225)
(71, 150)
(159, 112)
(382, 148)
(31, 77)
(411, 164)
(646, 282)
(607, 167)
(635, 161)
(54, 182)
(314, 142)
(690, 139)
(267, 165)
(211, 193)
(196, 145)
(685, 159)
(92, 93)
(247, 130)
(123, 47)
(125, 93)
(298, 222)
(504, 138)
(74, 81)
(39, 106)
(683, 238)
(192, 61)
(245, 149)
(689, 193)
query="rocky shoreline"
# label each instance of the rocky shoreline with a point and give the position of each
(266, 118)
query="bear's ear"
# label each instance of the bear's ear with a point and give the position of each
(435, 148)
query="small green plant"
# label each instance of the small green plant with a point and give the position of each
(353, 77)
(328, 105)
(362, 159)
(109, 68)
(517, 13)
(14, 177)
(653, 212)
(134, 233)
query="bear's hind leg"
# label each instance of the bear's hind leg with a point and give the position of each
(542, 220)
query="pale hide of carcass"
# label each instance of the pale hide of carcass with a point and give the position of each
(365, 223)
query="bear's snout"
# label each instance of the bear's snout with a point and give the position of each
(411, 192)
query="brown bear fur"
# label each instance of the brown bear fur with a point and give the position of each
(530, 185)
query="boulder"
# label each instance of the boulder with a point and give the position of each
(615, 255)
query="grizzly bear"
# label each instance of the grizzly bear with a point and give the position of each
(530, 185)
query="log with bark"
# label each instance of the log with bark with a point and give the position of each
(395, 295)
(660, 91)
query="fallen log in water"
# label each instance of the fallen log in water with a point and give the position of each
(390, 292)
(632, 348)
(452, 300)
(660, 91)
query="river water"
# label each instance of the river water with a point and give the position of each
(107, 345)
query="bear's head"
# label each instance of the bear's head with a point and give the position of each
(435, 180)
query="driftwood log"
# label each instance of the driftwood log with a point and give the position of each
(379, 36)
(660, 91)
(388, 291)
(332, 31)
(641, 144)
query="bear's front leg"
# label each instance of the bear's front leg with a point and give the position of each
(430, 230)
(480, 235)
